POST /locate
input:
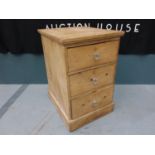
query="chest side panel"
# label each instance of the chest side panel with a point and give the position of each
(55, 60)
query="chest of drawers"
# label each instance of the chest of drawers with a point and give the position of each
(80, 65)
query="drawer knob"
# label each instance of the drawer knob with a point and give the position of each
(94, 104)
(94, 80)
(106, 74)
(97, 56)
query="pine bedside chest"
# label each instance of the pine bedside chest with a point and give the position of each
(80, 66)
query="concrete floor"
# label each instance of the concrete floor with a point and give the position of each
(26, 109)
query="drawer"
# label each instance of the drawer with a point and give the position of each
(91, 79)
(91, 102)
(92, 55)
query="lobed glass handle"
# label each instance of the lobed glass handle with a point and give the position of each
(94, 80)
(94, 104)
(97, 56)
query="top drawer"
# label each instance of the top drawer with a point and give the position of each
(92, 55)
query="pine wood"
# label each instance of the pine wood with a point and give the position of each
(84, 56)
(80, 65)
(73, 124)
(56, 73)
(92, 101)
(83, 81)
(76, 36)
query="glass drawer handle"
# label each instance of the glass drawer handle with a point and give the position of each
(94, 80)
(97, 56)
(94, 104)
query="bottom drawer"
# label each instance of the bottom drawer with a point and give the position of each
(91, 102)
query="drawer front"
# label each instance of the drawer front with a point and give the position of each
(92, 55)
(91, 102)
(91, 79)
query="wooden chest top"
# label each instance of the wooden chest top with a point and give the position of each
(68, 36)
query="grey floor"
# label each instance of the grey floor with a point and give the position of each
(26, 109)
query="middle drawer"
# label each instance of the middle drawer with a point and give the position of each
(91, 79)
